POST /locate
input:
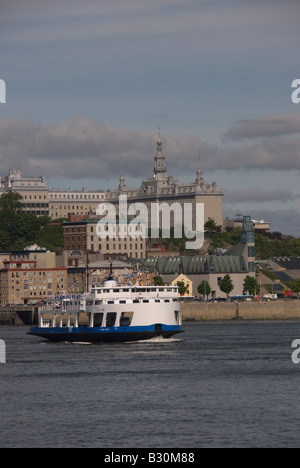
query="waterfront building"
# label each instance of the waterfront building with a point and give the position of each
(187, 282)
(211, 268)
(23, 282)
(238, 262)
(34, 191)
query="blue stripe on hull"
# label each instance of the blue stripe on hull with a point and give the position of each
(105, 334)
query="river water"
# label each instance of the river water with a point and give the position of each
(222, 384)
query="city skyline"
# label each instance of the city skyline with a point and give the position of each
(89, 83)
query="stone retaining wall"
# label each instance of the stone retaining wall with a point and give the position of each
(277, 310)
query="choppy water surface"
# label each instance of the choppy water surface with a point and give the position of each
(225, 384)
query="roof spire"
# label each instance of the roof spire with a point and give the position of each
(160, 169)
(199, 157)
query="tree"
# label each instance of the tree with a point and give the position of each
(51, 236)
(226, 285)
(295, 286)
(158, 281)
(182, 288)
(19, 229)
(204, 289)
(10, 219)
(11, 202)
(251, 285)
(211, 226)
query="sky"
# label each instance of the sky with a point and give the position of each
(89, 82)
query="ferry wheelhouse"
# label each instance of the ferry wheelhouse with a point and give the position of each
(115, 313)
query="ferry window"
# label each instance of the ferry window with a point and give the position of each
(116, 290)
(111, 319)
(122, 302)
(90, 302)
(167, 300)
(157, 300)
(136, 301)
(125, 319)
(110, 302)
(146, 300)
(98, 319)
(125, 290)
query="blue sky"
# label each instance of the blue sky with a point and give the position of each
(89, 82)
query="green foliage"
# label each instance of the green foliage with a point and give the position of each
(172, 242)
(275, 245)
(204, 288)
(270, 274)
(251, 285)
(182, 288)
(11, 202)
(19, 229)
(295, 286)
(51, 237)
(226, 285)
(158, 281)
(210, 226)
(220, 239)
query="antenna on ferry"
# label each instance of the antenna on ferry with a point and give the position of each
(110, 276)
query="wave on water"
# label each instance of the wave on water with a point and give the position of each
(155, 340)
(158, 340)
(78, 342)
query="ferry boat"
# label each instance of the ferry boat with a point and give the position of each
(115, 313)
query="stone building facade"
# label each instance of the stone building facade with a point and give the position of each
(161, 188)
(34, 190)
(82, 236)
(24, 282)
